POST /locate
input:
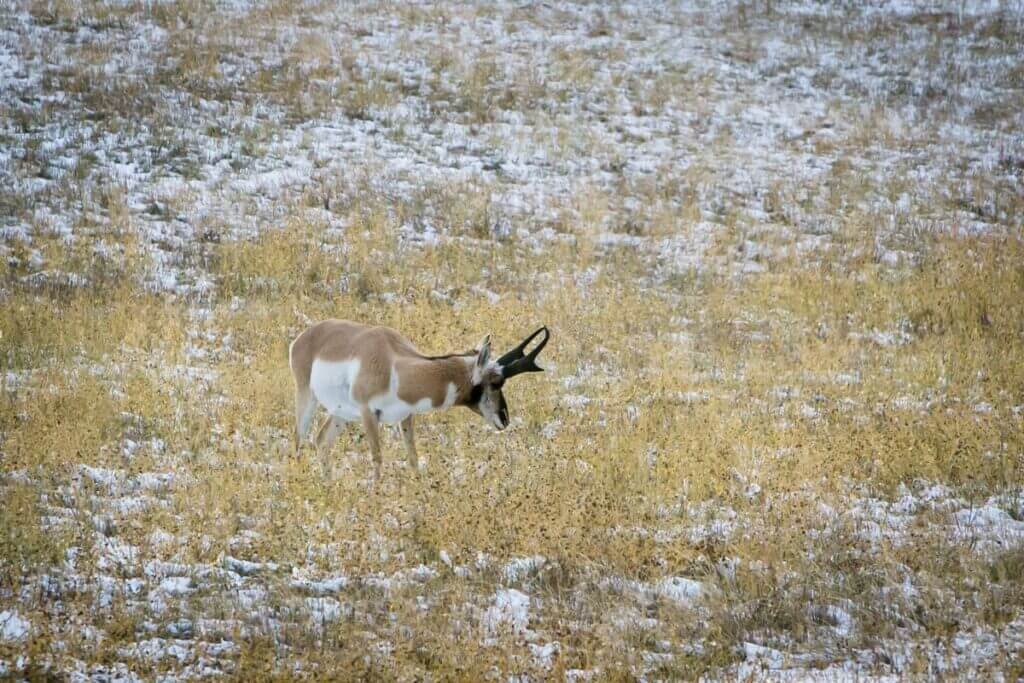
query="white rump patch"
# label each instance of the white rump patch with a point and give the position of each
(331, 383)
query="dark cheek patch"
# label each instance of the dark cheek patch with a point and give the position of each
(476, 394)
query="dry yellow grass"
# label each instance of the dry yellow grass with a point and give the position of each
(723, 404)
(591, 496)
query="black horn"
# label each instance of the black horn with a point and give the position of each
(516, 361)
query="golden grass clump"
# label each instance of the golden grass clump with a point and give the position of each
(747, 395)
(782, 408)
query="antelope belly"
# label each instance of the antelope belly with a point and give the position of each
(390, 409)
(331, 383)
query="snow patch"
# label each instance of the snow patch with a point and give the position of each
(13, 627)
(521, 567)
(511, 609)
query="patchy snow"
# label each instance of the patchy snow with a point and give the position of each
(176, 585)
(249, 598)
(690, 138)
(981, 528)
(511, 610)
(13, 627)
(521, 567)
(321, 587)
(988, 527)
(104, 477)
(114, 553)
(575, 401)
(764, 656)
(323, 610)
(248, 568)
(154, 481)
(844, 623)
(544, 655)
(679, 590)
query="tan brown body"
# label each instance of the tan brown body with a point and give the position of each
(373, 374)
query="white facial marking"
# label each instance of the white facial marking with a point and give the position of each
(490, 406)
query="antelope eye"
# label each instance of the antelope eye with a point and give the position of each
(498, 384)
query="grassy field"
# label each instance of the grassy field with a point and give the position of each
(779, 248)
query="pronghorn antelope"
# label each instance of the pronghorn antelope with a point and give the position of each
(374, 374)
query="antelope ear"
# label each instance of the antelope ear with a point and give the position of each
(483, 355)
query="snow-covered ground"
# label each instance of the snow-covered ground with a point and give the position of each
(674, 144)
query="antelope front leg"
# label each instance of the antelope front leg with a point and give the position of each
(410, 443)
(373, 436)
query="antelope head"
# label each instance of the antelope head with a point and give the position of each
(488, 378)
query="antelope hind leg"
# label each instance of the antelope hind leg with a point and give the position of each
(410, 443)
